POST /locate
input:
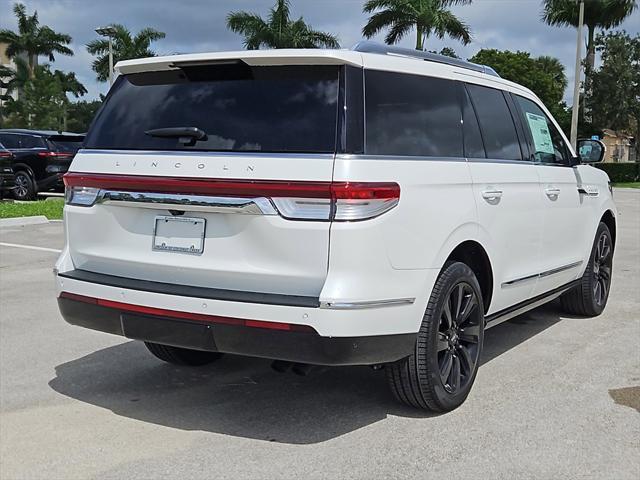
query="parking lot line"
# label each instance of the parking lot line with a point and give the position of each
(30, 247)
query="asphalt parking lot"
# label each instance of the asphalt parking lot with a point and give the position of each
(556, 397)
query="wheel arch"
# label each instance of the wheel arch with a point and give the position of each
(609, 220)
(473, 254)
(19, 167)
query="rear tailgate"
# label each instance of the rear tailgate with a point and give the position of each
(269, 141)
(259, 252)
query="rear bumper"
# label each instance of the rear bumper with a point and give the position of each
(7, 182)
(295, 346)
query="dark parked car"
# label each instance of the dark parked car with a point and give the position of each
(7, 178)
(40, 159)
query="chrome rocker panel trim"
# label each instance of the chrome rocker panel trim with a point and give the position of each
(546, 273)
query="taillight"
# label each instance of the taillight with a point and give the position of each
(49, 154)
(361, 201)
(81, 196)
(5, 154)
(324, 201)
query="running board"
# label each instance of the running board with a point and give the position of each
(522, 307)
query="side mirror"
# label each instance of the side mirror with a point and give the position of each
(590, 151)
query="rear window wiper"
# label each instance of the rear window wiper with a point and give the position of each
(185, 135)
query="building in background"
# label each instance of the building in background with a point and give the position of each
(5, 61)
(620, 146)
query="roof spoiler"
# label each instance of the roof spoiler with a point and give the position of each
(374, 47)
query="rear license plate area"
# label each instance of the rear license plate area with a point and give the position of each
(179, 234)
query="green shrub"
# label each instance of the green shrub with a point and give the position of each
(621, 172)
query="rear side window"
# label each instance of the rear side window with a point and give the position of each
(544, 138)
(496, 124)
(412, 115)
(66, 144)
(240, 108)
(31, 141)
(9, 140)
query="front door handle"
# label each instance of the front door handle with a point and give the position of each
(492, 195)
(552, 193)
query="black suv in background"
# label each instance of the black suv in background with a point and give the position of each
(7, 178)
(40, 159)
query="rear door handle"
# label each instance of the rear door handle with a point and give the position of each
(552, 192)
(492, 194)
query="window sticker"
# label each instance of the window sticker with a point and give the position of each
(585, 150)
(540, 132)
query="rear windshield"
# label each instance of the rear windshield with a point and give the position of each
(240, 108)
(66, 144)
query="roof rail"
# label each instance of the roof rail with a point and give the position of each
(374, 47)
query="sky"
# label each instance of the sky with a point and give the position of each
(199, 26)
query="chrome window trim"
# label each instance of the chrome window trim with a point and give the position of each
(546, 273)
(367, 304)
(359, 156)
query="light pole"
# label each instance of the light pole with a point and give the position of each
(576, 86)
(109, 32)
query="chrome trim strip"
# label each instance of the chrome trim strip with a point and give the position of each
(367, 304)
(192, 203)
(546, 273)
(522, 307)
(588, 191)
(561, 269)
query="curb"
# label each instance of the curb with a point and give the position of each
(22, 221)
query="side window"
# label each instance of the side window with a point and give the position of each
(544, 137)
(412, 115)
(473, 146)
(496, 124)
(9, 141)
(30, 141)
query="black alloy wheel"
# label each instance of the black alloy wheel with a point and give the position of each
(602, 263)
(440, 372)
(589, 298)
(458, 338)
(24, 187)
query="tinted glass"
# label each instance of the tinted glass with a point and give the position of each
(473, 146)
(66, 144)
(31, 141)
(240, 108)
(9, 140)
(412, 115)
(544, 137)
(496, 124)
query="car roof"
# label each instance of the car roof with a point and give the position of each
(42, 133)
(375, 57)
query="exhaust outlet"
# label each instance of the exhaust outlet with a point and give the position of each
(281, 366)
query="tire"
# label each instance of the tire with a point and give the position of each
(182, 356)
(590, 297)
(25, 186)
(450, 339)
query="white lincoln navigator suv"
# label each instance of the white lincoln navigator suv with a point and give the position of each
(375, 206)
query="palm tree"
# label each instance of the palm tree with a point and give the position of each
(68, 83)
(14, 79)
(278, 30)
(603, 14)
(426, 16)
(125, 47)
(33, 39)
